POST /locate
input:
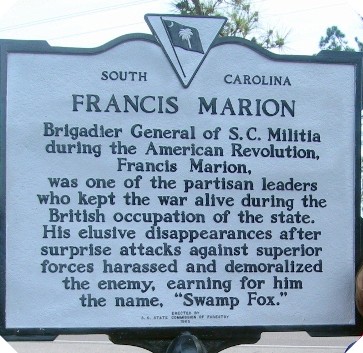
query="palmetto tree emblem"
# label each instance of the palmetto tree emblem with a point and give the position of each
(186, 34)
(182, 36)
(185, 40)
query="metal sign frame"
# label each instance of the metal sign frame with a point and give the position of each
(156, 339)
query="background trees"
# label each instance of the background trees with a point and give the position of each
(243, 20)
(335, 40)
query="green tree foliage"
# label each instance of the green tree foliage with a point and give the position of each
(359, 43)
(334, 40)
(243, 20)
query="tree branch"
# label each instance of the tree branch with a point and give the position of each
(198, 7)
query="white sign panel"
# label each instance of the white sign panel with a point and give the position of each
(178, 183)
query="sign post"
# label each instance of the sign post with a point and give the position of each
(178, 182)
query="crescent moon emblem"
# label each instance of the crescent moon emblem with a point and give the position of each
(172, 24)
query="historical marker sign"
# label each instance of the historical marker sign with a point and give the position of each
(178, 180)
